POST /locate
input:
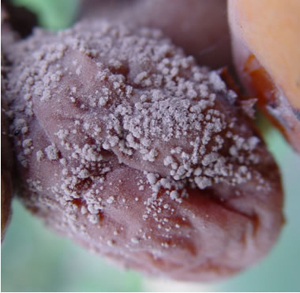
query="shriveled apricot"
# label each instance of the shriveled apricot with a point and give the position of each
(129, 147)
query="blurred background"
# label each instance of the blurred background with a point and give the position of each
(34, 258)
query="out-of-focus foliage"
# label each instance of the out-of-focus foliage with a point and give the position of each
(52, 14)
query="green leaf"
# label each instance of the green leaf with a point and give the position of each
(52, 14)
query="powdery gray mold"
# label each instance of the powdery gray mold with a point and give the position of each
(7, 37)
(199, 27)
(127, 146)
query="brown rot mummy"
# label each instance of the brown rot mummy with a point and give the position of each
(126, 145)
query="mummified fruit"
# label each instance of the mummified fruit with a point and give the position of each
(127, 146)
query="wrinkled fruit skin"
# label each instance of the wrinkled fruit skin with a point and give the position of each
(127, 146)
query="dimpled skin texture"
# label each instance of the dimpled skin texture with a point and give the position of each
(127, 146)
